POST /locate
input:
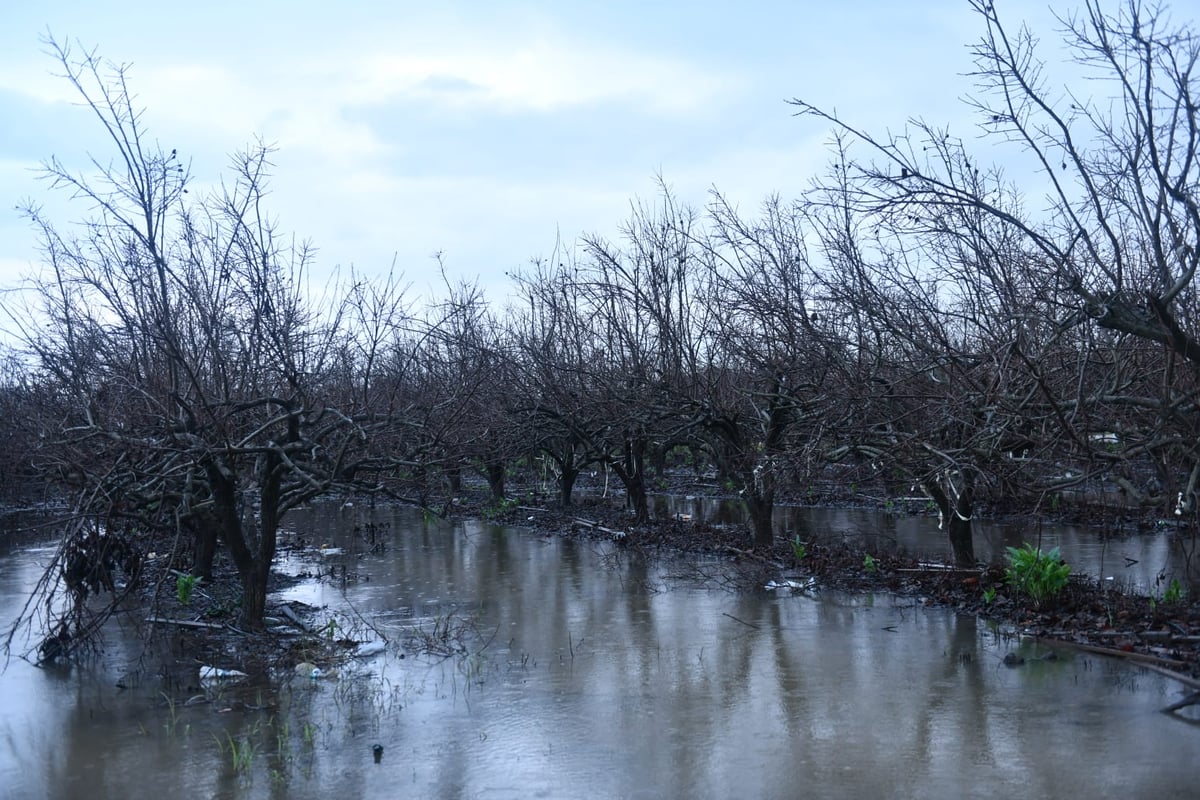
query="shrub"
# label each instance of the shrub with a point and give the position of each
(1041, 575)
(1174, 592)
(799, 549)
(185, 587)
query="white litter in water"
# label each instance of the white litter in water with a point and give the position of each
(330, 551)
(218, 674)
(368, 649)
(795, 586)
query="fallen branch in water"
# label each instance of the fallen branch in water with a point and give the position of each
(186, 623)
(735, 619)
(294, 618)
(587, 523)
(1191, 699)
(755, 556)
(1132, 655)
(939, 570)
(1186, 680)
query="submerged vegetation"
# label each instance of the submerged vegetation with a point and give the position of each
(910, 328)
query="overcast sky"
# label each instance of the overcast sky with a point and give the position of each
(482, 130)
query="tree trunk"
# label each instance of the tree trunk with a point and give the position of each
(566, 486)
(495, 478)
(761, 508)
(962, 540)
(635, 492)
(252, 555)
(638, 502)
(658, 462)
(204, 546)
(758, 493)
(568, 472)
(632, 473)
(454, 480)
(723, 461)
(254, 595)
(955, 509)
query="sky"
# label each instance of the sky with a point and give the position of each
(483, 131)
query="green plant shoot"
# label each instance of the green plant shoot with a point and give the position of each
(1040, 575)
(799, 549)
(185, 587)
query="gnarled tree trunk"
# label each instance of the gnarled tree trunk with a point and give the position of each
(955, 503)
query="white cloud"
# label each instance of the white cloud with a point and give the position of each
(232, 107)
(542, 75)
(481, 129)
(305, 99)
(39, 81)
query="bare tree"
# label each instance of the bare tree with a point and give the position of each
(770, 378)
(186, 357)
(648, 331)
(1112, 247)
(466, 353)
(552, 336)
(19, 431)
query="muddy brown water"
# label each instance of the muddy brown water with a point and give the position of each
(591, 673)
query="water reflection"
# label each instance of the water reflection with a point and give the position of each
(1132, 563)
(596, 676)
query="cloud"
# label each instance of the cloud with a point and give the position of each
(480, 136)
(37, 82)
(541, 75)
(319, 97)
(232, 107)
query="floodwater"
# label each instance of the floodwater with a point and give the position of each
(585, 672)
(1141, 562)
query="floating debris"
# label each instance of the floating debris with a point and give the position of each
(368, 649)
(219, 674)
(804, 585)
(313, 673)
